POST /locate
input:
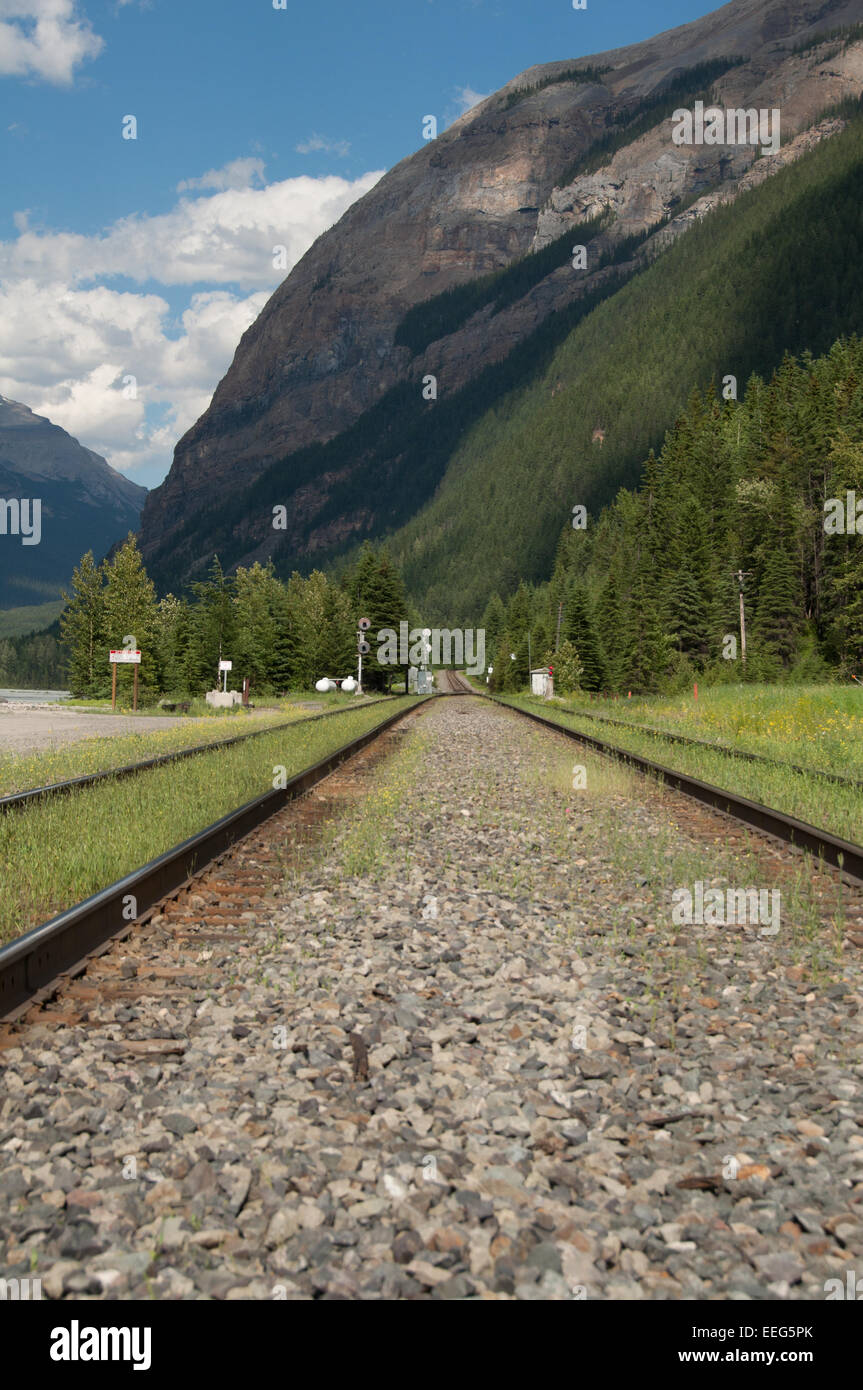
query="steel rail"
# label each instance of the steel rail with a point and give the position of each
(33, 961)
(840, 854)
(17, 800)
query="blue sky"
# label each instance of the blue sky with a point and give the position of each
(256, 126)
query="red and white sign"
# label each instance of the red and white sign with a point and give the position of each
(124, 656)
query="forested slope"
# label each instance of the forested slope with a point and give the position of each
(780, 269)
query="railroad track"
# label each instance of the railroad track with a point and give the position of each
(831, 849)
(18, 800)
(453, 683)
(245, 1049)
(33, 964)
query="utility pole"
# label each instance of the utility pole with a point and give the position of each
(363, 649)
(559, 616)
(741, 577)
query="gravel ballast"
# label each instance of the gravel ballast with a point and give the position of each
(466, 1053)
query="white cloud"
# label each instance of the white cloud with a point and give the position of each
(321, 144)
(468, 98)
(227, 238)
(67, 353)
(46, 39)
(67, 339)
(239, 173)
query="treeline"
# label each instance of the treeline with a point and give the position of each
(36, 661)
(590, 73)
(650, 590)
(845, 33)
(282, 636)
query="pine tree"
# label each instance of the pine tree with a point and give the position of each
(844, 556)
(493, 621)
(283, 669)
(690, 598)
(577, 627)
(214, 626)
(255, 626)
(777, 619)
(377, 592)
(614, 622)
(307, 600)
(340, 629)
(82, 627)
(173, 622)
(518, 613)
(504, 676)
(131, 616)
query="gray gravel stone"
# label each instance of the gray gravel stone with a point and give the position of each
(567, 1096)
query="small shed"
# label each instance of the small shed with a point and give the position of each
(542, 682)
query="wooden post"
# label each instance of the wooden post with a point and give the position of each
(113, 686)
(135, 692)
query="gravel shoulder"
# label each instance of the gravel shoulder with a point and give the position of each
(463, 1053)
(31, 730)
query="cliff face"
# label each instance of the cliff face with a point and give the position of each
(491, 188)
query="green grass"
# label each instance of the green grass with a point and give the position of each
(809, 798)
(817, 726)
(57, 853)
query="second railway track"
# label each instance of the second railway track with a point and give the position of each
(840, 854)
(16, 801)
(35, 961)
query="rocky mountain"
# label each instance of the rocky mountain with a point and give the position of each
(84, 504)
(461, 255)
